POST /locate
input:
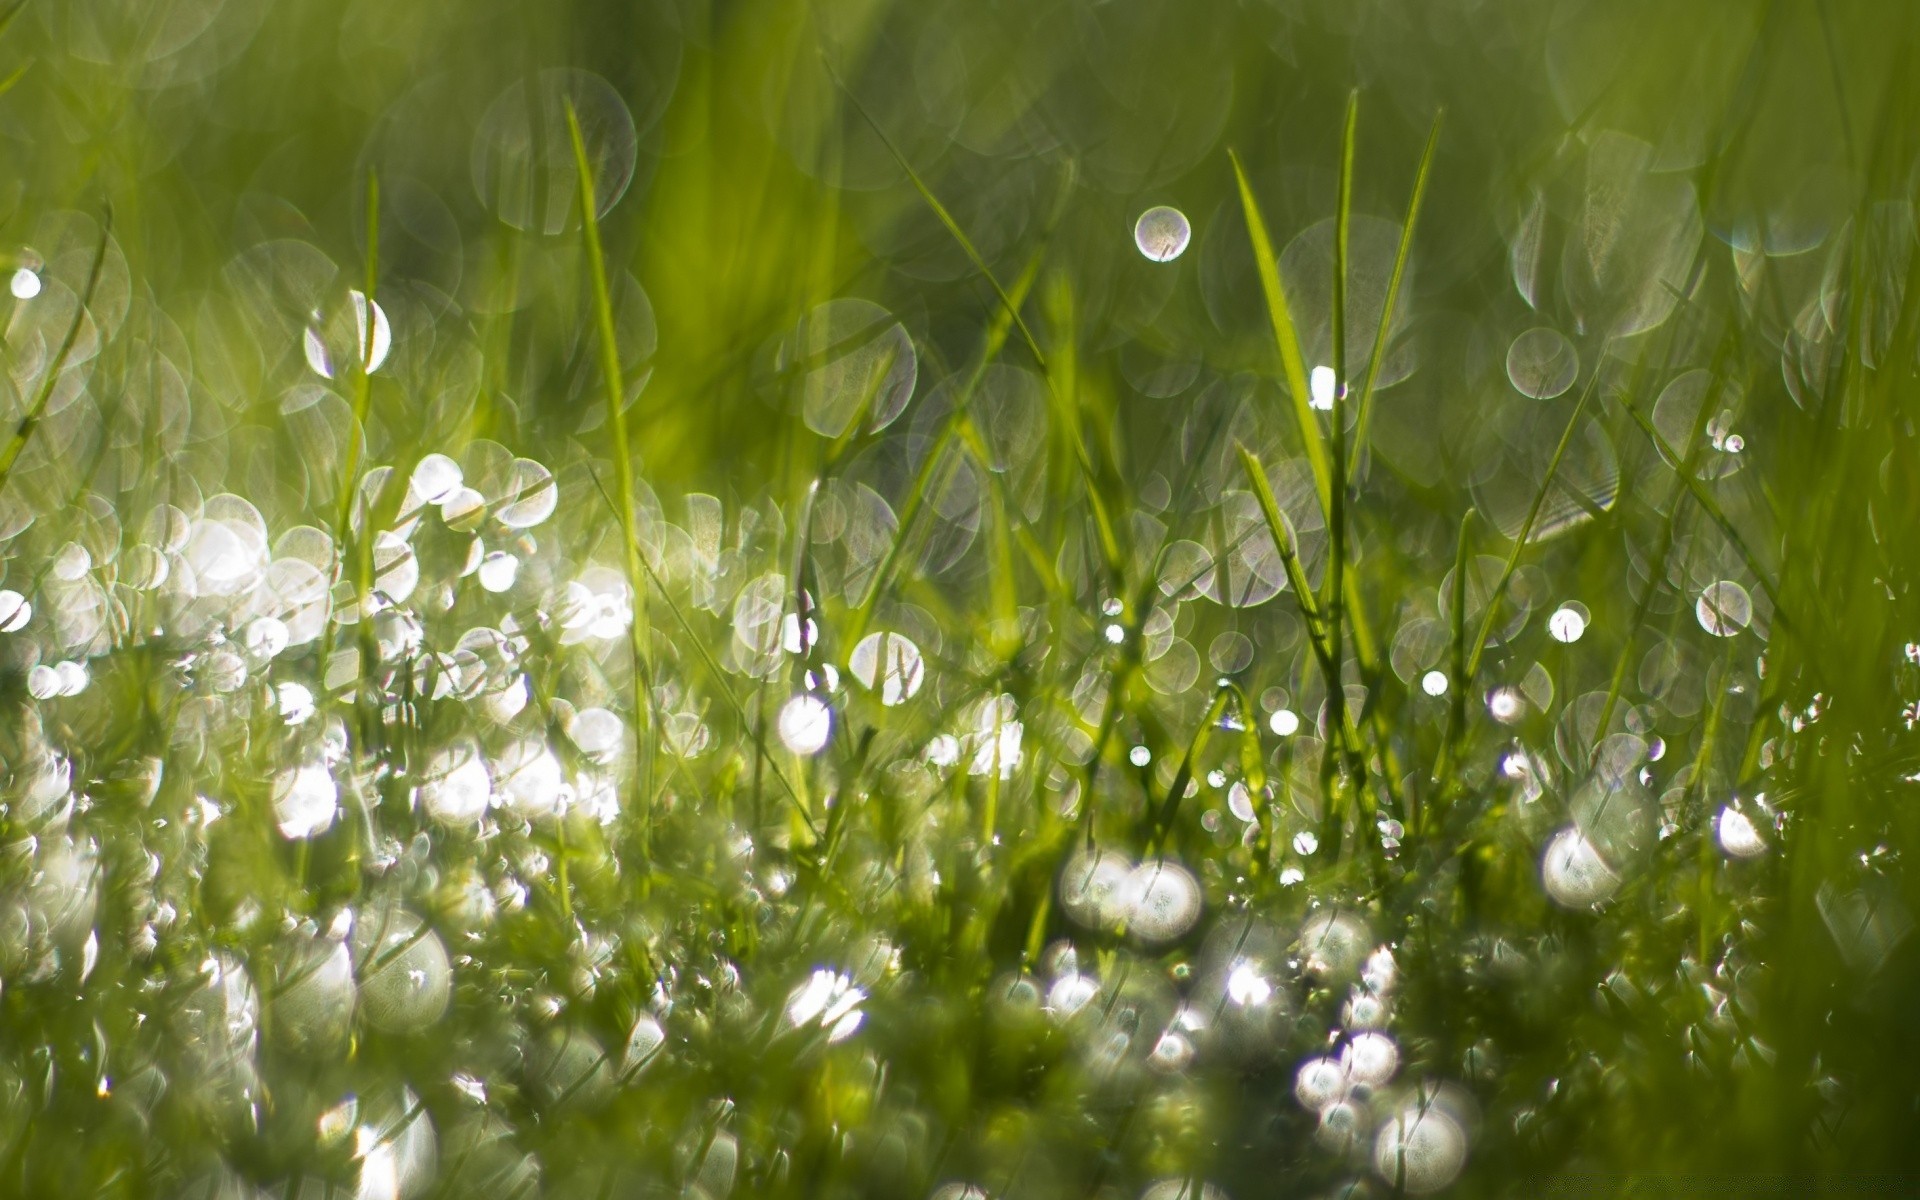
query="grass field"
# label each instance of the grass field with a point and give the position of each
(958, 600)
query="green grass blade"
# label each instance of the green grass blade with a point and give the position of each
(940, 211)
(1284, 336)
(1400, 257)
(1492, 612)
(622, 464)
(23, 433)
(1707, 503)
(1335, 581)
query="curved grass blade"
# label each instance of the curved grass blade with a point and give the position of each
(23, 433)
(940, 211)
(1394, 280)
(1280, 316)
(1707, 503)
(1520, 542)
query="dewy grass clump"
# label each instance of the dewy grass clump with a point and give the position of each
(1067, 600)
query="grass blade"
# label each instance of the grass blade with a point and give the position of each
(1520, 541)
(23, 433)
(1394, 280)
(940, 211)
(622, 464)
(1284, 337)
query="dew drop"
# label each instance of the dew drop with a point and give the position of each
(1542, 363)
(1162, 233)
(1568, 623)
(805, 721)
(25, 284)
(1724, 609)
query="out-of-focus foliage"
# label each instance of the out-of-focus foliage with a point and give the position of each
(705, 599)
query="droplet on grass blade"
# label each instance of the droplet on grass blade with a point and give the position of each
(1420, 1149)
(1724, 608)
(25, 284)
(1573, 872)
(890, 663)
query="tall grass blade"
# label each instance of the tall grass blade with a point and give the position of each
(940, 211)
(622, 462)
(1285, 338)
(23, 432)
(1400, 257)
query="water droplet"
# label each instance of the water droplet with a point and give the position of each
(15, 611)
(1421, 1149)
(1434, 683)
(1305, 842)
(458, 788)
(1139, 756)
(1162, 233)
(305, 800)
(1573, 872)
(1319, 1082)
(1322, 389)
(25, 284)
(1724, 608)
(1738, 835)
(1542, 363)
(1568, 623)
(805, 721)
(1371, 1058)
(892, 662)
(1165, 903)
(436, 478)
(406, 980)
(498, 570)
(1284, 722)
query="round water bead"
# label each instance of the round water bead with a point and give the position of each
(805, 721)
(1421, 1149)
(1542, 363)
(1320, 1082)
(1162, 233)
(1096, 888)
(1165, 901)
(15, 611)
(855, 362)
(1739, 837)
(523, 164)
(890, 662)
(458, 788)
(313, 1002)
(1568, 622)
(1334, 943)
(405, 979)
(25, 284)
(436, 478)
(1573, 872)
(305, 800)
(1724, 608)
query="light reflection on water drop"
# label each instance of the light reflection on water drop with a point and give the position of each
(1421, 1149)
(25, 284)
(1568, 624)
(1739, 837)
(1162, 233)
(1573, 872)
(1724, 608)
(805, 721)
